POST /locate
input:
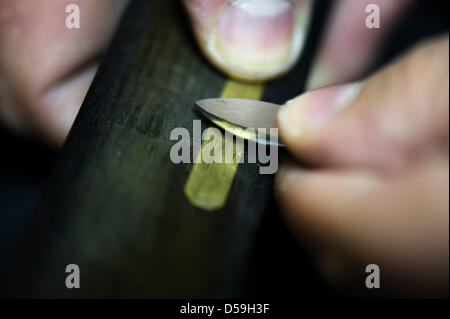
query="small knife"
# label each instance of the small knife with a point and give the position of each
(236, 115)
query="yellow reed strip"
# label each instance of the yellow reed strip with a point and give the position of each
(208, 184)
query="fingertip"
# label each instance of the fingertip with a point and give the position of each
(57, 110)
(349, 46)
(325, 204)
(302, 120)
(251, 40)
(286, 176)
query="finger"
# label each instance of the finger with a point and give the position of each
(316, 202)
(359, 218)
(387, 121)
(250, 39)
(349, 46)
(45, 67)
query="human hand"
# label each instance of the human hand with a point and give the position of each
(379, 192)
(262, 39)
(46, 69)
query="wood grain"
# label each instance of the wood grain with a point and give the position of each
(115, 204)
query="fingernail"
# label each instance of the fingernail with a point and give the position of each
(314, 108)
(257, 39)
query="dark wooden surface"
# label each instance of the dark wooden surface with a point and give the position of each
(115, 204)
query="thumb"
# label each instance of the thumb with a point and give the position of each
(250, 39)
(381, 121)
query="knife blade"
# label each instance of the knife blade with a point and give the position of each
(237, 115)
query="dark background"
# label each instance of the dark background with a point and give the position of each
(26, 164)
